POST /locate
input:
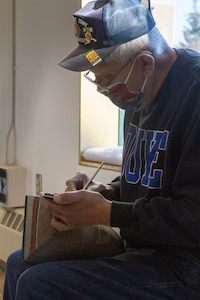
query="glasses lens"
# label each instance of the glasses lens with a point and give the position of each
(90, 76)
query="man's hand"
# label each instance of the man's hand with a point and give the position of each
(80, 179)
(78, 208)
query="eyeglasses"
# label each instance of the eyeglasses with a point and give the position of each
(105, 89)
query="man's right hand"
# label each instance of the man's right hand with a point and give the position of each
(80, 179)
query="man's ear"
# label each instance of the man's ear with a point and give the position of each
(148, 62)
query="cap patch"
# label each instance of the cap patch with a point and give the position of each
(84, 32)
(93, 57)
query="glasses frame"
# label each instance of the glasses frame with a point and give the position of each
(104, 89)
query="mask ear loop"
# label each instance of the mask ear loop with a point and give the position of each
(131, 69)
(129, 73)
(144, 84)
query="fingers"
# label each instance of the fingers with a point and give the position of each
(77, 182)
(78, 208)
(68, 197)
(64, 198)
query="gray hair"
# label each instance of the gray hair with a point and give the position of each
(153, 41)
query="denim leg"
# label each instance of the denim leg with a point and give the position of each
(142, 274)
(14, 268)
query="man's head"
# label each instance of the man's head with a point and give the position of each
(101, 26)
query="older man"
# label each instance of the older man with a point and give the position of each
(156, 200)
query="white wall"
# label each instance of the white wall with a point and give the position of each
(4, 73)
(47, 96)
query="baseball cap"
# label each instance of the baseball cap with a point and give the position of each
(101, 26)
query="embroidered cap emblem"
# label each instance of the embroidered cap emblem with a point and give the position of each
(83, 32)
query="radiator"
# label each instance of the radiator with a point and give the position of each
(11, 230)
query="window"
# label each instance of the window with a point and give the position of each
(101, 123)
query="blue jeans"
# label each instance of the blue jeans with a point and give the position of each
(136, 274)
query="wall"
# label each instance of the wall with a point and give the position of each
(4, 73)
(47, 96)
